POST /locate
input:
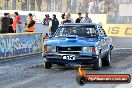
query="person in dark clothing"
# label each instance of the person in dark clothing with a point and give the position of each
(10, 30)
(67, 20)
(79, 18)
(4, 24)
(46, 20)
(54, 25)
(63, 16)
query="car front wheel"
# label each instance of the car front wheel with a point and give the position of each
(47, 65)
(106, 61)
(98, 63)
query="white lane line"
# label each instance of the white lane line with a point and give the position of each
(122, 48)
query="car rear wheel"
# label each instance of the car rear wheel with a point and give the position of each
(98, 63)
(47, 65)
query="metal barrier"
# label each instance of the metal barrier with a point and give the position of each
(20, 44)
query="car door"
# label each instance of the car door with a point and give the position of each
(103, 41)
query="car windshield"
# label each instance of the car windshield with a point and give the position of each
(81, 31)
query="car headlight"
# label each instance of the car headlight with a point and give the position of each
(88, 49)
(50, 49)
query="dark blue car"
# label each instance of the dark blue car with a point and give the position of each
(83, 44)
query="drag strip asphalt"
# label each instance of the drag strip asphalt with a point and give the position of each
(28, 71)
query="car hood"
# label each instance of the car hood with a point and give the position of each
(72, 42)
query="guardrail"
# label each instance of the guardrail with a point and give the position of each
(20, 44)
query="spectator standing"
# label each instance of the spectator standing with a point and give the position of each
(94, 7)
(4, 24)
(48, 4)
(69, 17)
(67, 20)
(91, 7)
(86, 19)
(62, 18)
(46, 22)
(17, 24)
(104, 7)
(53, 25)
(30, 23)
(10, 30)
(79, 18)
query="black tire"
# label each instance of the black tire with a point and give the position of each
(106, 61)
(48, 65)
(98, 63)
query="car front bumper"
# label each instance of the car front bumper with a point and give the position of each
(79, 59)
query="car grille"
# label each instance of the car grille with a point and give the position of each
(69, 49)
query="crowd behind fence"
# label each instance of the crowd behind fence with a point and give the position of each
(110, 7)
